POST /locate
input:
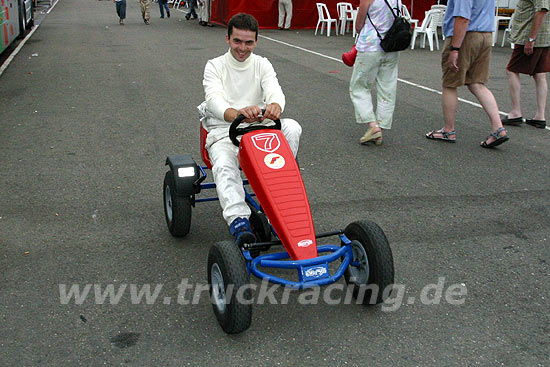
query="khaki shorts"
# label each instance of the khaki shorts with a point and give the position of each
(474, 59)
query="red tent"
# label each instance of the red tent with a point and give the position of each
(304, 14)
(418, 7)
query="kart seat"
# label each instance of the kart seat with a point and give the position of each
(204, 152)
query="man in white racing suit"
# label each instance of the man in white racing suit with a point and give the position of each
(239, 82)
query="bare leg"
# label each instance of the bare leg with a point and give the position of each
(542, 93)
(489, 103)
(514, 85)
(450, 105)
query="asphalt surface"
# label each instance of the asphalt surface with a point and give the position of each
(85, 127)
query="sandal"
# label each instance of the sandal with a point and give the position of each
(371, 135)
(445, 135)
(498, 139)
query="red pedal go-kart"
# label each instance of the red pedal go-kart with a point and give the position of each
(281, 215)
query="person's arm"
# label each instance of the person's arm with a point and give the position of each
(216, 103)
(272, 92)
(251, 113)
(460, 28)
(538, 19)
(364, 6)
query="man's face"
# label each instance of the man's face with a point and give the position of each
(241, 43)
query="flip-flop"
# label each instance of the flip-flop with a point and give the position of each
(498, 139)
(444, 135)
(516, 121)
(541, 124)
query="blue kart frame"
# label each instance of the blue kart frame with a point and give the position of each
(277, 260)
(364, 251)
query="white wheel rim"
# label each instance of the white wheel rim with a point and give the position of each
(218, 288)
(168, 203)
(360, 274)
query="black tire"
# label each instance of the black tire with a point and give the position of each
(177, 209)
(227, 274)
(370, 237)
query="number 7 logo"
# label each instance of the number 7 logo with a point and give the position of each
(266, 142)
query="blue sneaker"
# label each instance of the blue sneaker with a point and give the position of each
(241, 230)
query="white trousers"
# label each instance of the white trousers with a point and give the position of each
(204, 11)
(374, 67)
(285, 6)
(225, 169)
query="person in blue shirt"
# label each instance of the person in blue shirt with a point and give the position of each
(466, 56)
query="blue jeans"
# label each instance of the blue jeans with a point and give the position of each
(121, 9)
(163, 4)
(192, 12)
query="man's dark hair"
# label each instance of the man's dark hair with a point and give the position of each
(244, 22)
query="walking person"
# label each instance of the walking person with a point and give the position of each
(285, 8)
(191, 12)
(145, 6)
(120, 10)
(468, 27)
(373, 66)
(163, 5)
(530, 35)
(204, 12)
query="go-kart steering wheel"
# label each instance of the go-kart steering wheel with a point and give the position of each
(235, 131)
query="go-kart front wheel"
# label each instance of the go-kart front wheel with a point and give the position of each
(373, 271)
(177, 209)
(229, 287)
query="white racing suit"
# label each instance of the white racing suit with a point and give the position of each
(225, 165)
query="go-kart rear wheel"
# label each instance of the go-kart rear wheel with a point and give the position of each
(177, 209)
(229, 292)
(372, 252)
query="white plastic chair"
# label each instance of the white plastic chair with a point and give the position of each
(440, 7)
(508, 30)
(354, 13)
(498, 18)
(405, 14)
(345, 15)
(438, 17)
(428, 28)
(325, 18)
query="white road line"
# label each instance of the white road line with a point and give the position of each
(401, 80)
(16, 51)
(53, 6)
(22, 43)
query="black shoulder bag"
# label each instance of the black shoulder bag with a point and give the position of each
(398, 36)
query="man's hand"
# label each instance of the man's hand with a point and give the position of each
(528, 48)
(453, 61)
(251, 113)
(272, 111)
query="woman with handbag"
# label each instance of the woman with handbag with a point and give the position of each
(374, 66)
